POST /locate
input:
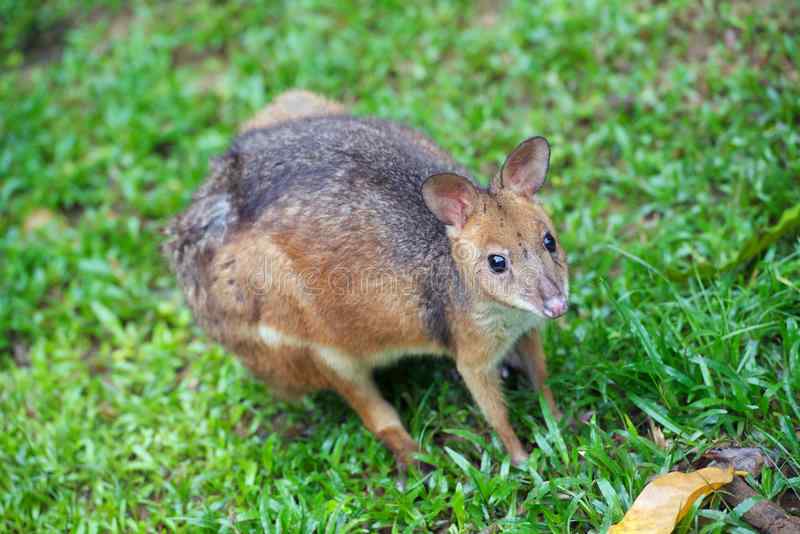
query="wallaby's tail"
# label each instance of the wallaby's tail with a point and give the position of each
(194, 236)
(293, 104)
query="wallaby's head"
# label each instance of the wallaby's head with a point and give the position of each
(502, 240)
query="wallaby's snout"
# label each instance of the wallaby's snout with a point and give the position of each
(555, 306)
(553, 295)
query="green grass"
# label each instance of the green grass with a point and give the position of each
(675, 139)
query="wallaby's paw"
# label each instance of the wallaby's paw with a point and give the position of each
(519, 459)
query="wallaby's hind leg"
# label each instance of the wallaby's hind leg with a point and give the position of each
(293, 104)
(378, 415)
(289, 372)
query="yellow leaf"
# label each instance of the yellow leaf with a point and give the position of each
(667, 498)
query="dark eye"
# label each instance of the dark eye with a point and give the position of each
(549, 242)
(497, 263)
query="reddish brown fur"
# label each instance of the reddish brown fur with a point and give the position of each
(302, 334)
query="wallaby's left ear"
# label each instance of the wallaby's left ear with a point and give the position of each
(452, 198)
(525, 168)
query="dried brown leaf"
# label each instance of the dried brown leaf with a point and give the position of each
(667, 498)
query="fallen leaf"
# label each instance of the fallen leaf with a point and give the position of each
(667, 498)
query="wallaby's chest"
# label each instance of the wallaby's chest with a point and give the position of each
(502, 326)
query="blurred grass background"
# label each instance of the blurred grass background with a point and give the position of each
(674, 127)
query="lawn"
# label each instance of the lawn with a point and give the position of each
(675, 134)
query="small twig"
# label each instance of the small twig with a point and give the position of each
(764, 515)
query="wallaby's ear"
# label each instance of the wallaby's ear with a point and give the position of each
(450, 197)
(525, 168)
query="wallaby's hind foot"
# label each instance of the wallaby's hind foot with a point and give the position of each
(293, 104)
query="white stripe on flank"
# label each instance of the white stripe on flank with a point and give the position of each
(341, 362)
(274, 338)
(333, 358)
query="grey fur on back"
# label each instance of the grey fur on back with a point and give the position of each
(349, 156)
(357, 175)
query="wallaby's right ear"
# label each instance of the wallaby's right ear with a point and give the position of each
(525, 168)
(452, 198)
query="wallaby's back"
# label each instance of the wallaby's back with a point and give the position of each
(336, 187)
